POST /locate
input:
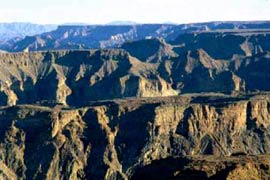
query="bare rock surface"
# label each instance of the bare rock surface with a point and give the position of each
(181, 102)
(208, 136)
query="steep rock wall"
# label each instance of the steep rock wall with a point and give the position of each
(112, 140)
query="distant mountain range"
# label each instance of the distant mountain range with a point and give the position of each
(20, 30)
(21, 37)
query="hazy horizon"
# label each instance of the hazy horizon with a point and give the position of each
(109, 23)
(139, 11)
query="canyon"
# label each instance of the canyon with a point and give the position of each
(185, 137)
(156, 101)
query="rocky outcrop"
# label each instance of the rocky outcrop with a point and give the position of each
(134, 138)
(77, 77)
(188, 106)
(207, 167)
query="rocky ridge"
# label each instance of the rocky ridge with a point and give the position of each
(107, 36)
(75, 77)
(188, 105)
(97, 141)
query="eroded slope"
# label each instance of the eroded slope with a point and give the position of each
(77, 77)
(115, 139)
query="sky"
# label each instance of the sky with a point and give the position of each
(141, 11)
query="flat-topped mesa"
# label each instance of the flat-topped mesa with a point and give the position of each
(226, 45)
(75, 77)
(88, 37)
(107, 36)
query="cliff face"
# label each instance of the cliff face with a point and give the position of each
(77, 77)
(134, 138)
(190, 106)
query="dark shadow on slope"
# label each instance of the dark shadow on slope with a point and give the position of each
(160, 169)
(134, 129)
(96, 137)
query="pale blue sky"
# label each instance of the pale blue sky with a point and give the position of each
(142, 11)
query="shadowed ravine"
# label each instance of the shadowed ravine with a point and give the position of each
(165, 102)
(137, 139)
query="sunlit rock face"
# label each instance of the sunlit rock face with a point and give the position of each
(207, 136)
(178, 105)
(147, 68)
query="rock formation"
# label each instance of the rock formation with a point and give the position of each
(134, 139)
(146, 68)
(189, 102)
(107, 36)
